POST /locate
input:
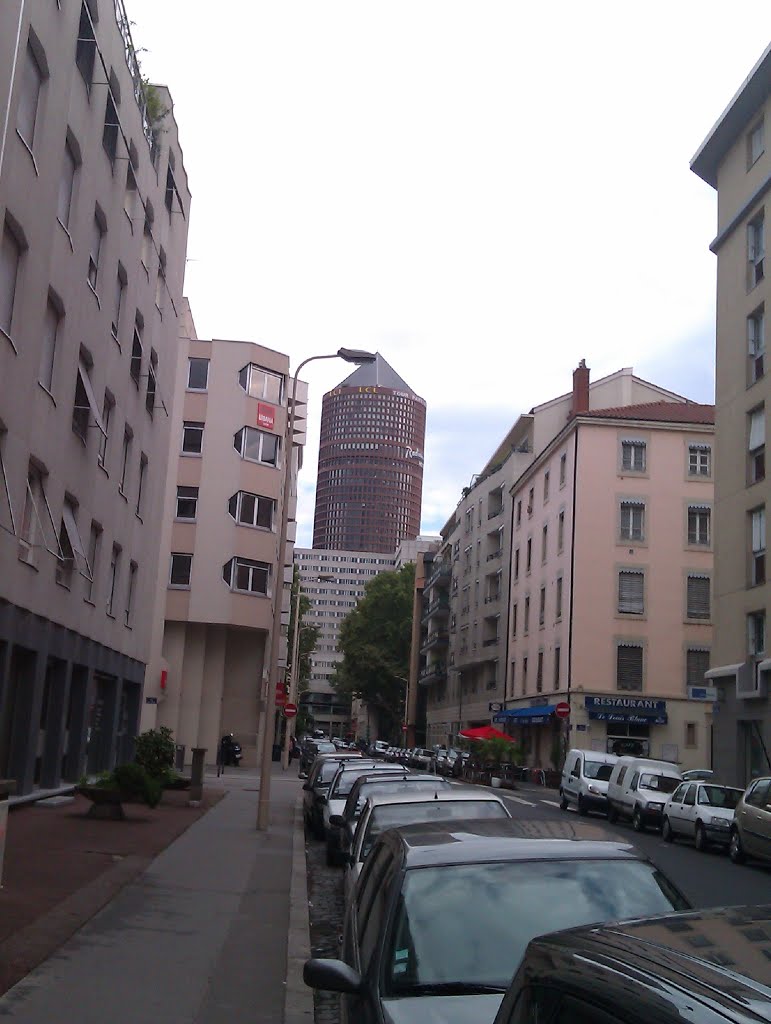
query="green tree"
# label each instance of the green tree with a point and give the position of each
(375, 642)
(309, 636)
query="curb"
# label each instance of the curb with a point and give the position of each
(298, 1001)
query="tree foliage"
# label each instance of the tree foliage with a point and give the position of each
(375, 642)
(309, 636)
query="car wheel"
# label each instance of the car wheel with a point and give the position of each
(700, 838)
(666, 832)
(735, 848)
(563, 802)
(612, 815)
(583, 810)
(637, 821)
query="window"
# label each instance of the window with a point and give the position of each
(96, 246)
(107, 407)
(31, 533)
(529, 558)
(244, 575)
(261, 383)
(758, 543)
(530, 501)
(94, 542)
(557, 659)
(117, 302)
(135, 367)
(171, 189)
(147, 244)
(699, 519)
(132, 583)
(128, 440)
(697, 597)
(563, 469)
(113, 578)
(69, 541)
(130, 194)
(546, 486)
(696, 665)
(516, 564)
(544, 543)
(66, 185)
(51, 322)
(629, 667)
(160, 281)
(514, 610)
(85, 51)
(755, 143)
(141, 483)
(111, 128)
(180, 570)
(699, 460)
(10, 258)
(539, 673)
(524, 675)
(633, 456)
(192, 438)
(756, 634)
(257, 446)
(542, 606)
(631, 592)
(558, 602)
(756, 249)
(29, 96)
(527, 615)
(632, 520)
(197, 374)
(252, 509)
(187, 503)
(757, 444)
(152, 372)
(519, 512)
(561, 531)
(81, 409)
(756, 344)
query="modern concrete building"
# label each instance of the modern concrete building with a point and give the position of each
(94, 209)
(219, 568)
(629, 521)
(735, 160)
(370, 474)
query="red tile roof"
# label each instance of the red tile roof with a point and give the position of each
(660, 412)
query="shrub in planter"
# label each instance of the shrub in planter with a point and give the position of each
(154, 751)
(135, 783)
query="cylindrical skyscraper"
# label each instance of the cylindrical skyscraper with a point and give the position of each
(369, 486)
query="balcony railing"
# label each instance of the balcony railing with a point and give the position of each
(434, 639)
(491, 598)
(495, 554)
(490, 641)
(439, 606)
(441, 572)
(495, 512)
(433, 672)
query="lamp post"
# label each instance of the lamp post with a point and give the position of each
(350, 355)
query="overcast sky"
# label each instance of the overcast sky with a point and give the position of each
(486, 192)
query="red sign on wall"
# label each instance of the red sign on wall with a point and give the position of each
(280, 694)
(266, 416)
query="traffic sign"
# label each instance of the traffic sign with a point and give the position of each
(562, 710)
(290, 710)
(280, 694)
(404, 728)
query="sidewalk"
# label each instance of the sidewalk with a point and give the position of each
(214, 930)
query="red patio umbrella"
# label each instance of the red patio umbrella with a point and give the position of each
(484, 732)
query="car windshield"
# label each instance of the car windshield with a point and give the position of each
(397, 786)
(597, 770)
(325, 748)
(328, 771)
(395, 815)
(720, 796)
(345, 781)
(464, 926)
(661, 783)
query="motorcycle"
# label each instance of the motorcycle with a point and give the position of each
(230, 751)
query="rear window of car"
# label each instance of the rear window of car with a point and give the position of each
(345, 781)
(659, 783)
(395, 815)
(720, 796)
(328, 771)
(398, 786)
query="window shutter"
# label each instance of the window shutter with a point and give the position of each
(757, 429)
(233, 505)
(751, 251)
(698, 597)
(629, 667)
(759, 530)
(697, 663)
(631, 588)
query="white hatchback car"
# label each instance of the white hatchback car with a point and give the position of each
(700, 811)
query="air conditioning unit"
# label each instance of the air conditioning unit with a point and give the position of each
(752, 680)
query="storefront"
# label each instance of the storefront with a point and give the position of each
(628, 723)
(536, 729)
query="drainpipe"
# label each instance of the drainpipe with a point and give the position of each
(572, 586)
(10, 85)
(508, 609)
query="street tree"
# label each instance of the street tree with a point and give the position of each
(309, 636)
(375, 642)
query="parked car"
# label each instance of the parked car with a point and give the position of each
(333, 801)
(391, 780)
(459, 764)
(381, 812)
(699, 774)
(310, 751)
(444, 759)
(700, 811)
(638, 789)
(378, 748)
(585, 777)
(322, 772)
(704, 967)
(422, 759)
(443, 913)
(751, 828)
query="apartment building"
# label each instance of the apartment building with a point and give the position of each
(594, 519)
(94, 209)
(218, 572)
(734, 159)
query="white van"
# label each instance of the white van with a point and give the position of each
(585, 780)
(639, 788)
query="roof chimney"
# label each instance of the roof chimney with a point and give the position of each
(580, 389)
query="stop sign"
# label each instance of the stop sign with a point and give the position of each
(290, 710)
(562, 710)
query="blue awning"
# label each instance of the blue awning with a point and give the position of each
(540, 712)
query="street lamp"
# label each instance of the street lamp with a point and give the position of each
(350, 355)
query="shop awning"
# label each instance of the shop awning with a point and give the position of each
(527, 716)
(724, 671)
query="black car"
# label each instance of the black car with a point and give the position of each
(441, 914)
(706, 967)
(310, 751)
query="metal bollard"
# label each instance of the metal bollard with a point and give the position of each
(196, 776)
(7, 786)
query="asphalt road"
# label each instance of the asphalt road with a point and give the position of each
(706, 879)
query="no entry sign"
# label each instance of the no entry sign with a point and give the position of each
(562, 710)
(290, 710)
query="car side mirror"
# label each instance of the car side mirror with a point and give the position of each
(332, 976)
(337, 820)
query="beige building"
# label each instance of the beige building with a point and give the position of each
(94, 209)
(735, 160)
(218, 570)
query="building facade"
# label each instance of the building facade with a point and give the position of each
(370, 473)
(218, 572)
(94, 209)
(735, 160)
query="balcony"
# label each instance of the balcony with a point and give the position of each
(436, 638)
(492, 598)
(433, 673)
(491, 641)
(495, 554)
(495, 513)
(441, 572)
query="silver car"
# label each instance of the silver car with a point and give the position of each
(701, 811)
(751, 828)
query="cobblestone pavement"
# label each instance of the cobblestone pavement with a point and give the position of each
(325, 893)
